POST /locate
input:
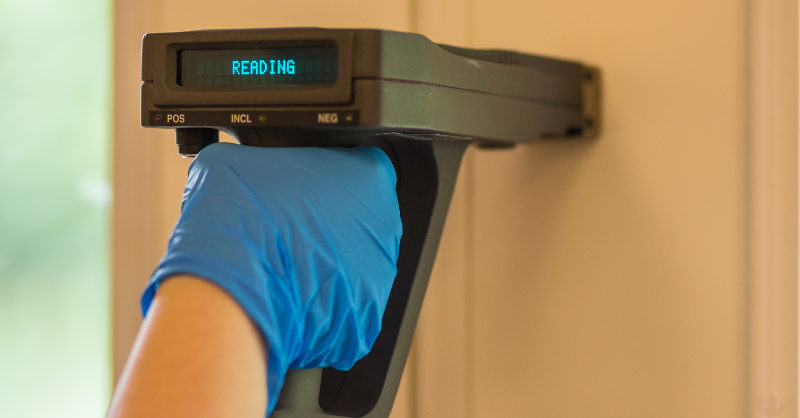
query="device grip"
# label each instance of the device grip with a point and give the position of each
(426, 174)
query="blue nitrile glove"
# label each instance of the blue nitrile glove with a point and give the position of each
(305, 240)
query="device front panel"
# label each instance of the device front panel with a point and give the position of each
(253, 67)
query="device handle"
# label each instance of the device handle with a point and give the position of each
(426, 175)
(426, 167)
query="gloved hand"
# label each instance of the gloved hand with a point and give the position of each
(306, 240)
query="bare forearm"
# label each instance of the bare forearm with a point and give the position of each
(197, 355)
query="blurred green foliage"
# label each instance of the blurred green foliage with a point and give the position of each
(55, 112)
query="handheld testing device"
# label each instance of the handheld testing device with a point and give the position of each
(421, 102)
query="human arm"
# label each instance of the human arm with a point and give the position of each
(197, 355)
(304, 241)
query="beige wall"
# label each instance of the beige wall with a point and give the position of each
(623, 294)
(606, 278)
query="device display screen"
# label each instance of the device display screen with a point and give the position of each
(258, 68)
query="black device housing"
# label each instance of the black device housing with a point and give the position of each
(420, 102)
(388, 82)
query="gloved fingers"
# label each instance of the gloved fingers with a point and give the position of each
(305, 240)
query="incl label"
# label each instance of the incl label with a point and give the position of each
(240, 118)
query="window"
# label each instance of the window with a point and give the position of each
(55, 109)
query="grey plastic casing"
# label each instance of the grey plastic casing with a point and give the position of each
(388, 82)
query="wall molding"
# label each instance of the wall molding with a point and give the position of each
(772, 210)
(136, 176)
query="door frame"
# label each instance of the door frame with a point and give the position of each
(771, 162)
